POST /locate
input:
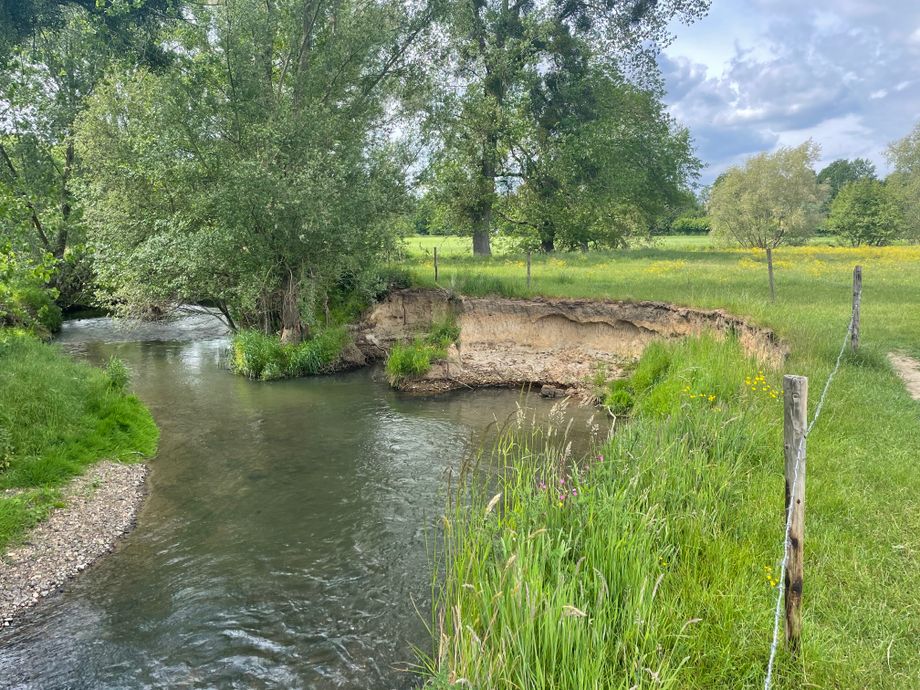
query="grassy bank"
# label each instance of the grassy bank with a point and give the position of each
(57, 416)
(690, 493)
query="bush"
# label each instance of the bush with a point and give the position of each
(259, 356)
(689, 225)
(26, 301)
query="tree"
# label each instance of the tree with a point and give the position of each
(602, 162)
(497, 50)
(904, 181)
(841, 172)
(773, 199)
(866, 212)
(261, 170)
(65, 49)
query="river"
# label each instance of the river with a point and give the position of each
(284, 542)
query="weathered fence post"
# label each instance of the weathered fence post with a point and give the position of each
(857, 300)
(436, 264)
(795, 416)
(528, 270)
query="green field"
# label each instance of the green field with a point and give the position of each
(710, 481)
(453, 246)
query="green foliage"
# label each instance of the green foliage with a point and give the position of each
(691, 225)
(774, 199)
(58, 416)
(904, 182)
(407, 360)
(866, 212)
(287, 193)
(258, 356)
(26, 301)
(841, 172)
(543, 138)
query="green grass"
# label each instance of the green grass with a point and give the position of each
(698, 484)
(258, 356)
(57, 416)
(412, 359)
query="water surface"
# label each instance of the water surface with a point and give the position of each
(283, 543)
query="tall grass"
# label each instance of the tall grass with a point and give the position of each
(56, 417)
(264, 357)
(647, 563)
(409, 360)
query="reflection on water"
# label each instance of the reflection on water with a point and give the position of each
(283, 544)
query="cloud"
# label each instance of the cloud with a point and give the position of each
(842, 73)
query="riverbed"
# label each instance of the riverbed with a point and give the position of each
(285, 539)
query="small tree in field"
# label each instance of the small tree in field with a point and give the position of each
(773, 199)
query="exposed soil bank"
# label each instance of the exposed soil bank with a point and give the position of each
(560, 342)
(100, 507)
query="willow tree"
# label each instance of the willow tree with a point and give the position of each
(258, 171)
(57, 52)
(773, 199)
(496, 51)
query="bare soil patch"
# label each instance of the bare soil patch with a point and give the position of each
(908, 369)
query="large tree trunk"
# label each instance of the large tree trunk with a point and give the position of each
(293, 329)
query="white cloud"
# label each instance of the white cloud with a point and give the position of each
(775, 72)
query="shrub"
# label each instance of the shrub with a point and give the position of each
(688, 225)
(26, 301)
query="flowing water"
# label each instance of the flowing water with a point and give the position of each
(284, 540)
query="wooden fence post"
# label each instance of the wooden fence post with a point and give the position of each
(795, 417)
(857, 300)
(528, 270)
(435, 264)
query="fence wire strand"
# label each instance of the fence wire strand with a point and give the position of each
(799, 456)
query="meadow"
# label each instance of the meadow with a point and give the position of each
(660, 571)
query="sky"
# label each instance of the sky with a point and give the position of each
(754, 75)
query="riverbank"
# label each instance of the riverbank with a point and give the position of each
(59, 509)
(540, 341)
(97, 508)
(672, 582)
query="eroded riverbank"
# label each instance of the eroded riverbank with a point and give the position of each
(560, 342)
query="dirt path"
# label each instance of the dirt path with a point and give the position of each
(908, 369)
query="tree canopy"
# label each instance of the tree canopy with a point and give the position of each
(773, 199)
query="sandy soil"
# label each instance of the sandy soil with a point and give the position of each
(908, 369)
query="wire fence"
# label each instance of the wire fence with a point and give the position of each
(799, 459)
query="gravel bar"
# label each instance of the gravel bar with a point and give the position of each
(101, 506)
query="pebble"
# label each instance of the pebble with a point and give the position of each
(101, 506)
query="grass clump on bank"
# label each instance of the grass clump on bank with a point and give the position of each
(56, 417)
(264, 357)
(408, 360)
